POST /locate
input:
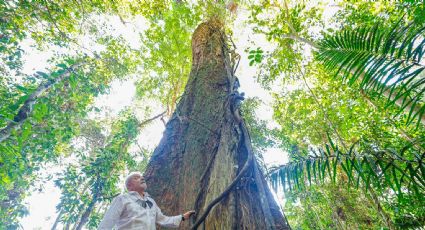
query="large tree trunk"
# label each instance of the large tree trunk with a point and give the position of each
(206, 146)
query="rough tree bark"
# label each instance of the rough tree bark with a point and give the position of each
(205, 147)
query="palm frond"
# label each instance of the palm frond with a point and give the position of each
(382, 170)
(385, 62)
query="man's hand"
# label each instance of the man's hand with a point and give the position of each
(188, 214)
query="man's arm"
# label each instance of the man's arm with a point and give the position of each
(170, 221)
(167, 221)
(112, 216)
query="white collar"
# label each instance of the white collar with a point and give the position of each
(138, 196)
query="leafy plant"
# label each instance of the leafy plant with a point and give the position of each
(381, 169)
(255, 56)
(95, 178)
(385, 63)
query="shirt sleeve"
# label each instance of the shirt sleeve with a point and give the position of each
(167, 221)
(112, 215)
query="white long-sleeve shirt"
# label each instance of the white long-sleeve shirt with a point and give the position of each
(126, 212)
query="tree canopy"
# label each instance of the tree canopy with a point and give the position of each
(346, 81)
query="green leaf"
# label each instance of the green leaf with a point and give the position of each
(43, 74)
(73, 81)
(396, 182)
(288, 174)
(40, 110)
(62, 65)
(257, 58)
(308, 167)
(22, 88)
(377, 58)
(335, 164)
(26, 130)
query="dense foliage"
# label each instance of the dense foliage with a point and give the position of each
(346, 80)
(341, 108)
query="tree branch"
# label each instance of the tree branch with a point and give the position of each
(27, 108)
(296, 37)
(331, 124)
(143, 123)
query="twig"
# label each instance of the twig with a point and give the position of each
(331, 124)
(151, 119)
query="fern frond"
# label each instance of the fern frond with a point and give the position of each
(385, 63)
(379, 169)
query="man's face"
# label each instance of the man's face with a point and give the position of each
(138, 182)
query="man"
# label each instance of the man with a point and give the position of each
(137, 210)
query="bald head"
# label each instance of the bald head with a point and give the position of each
(135, 182)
